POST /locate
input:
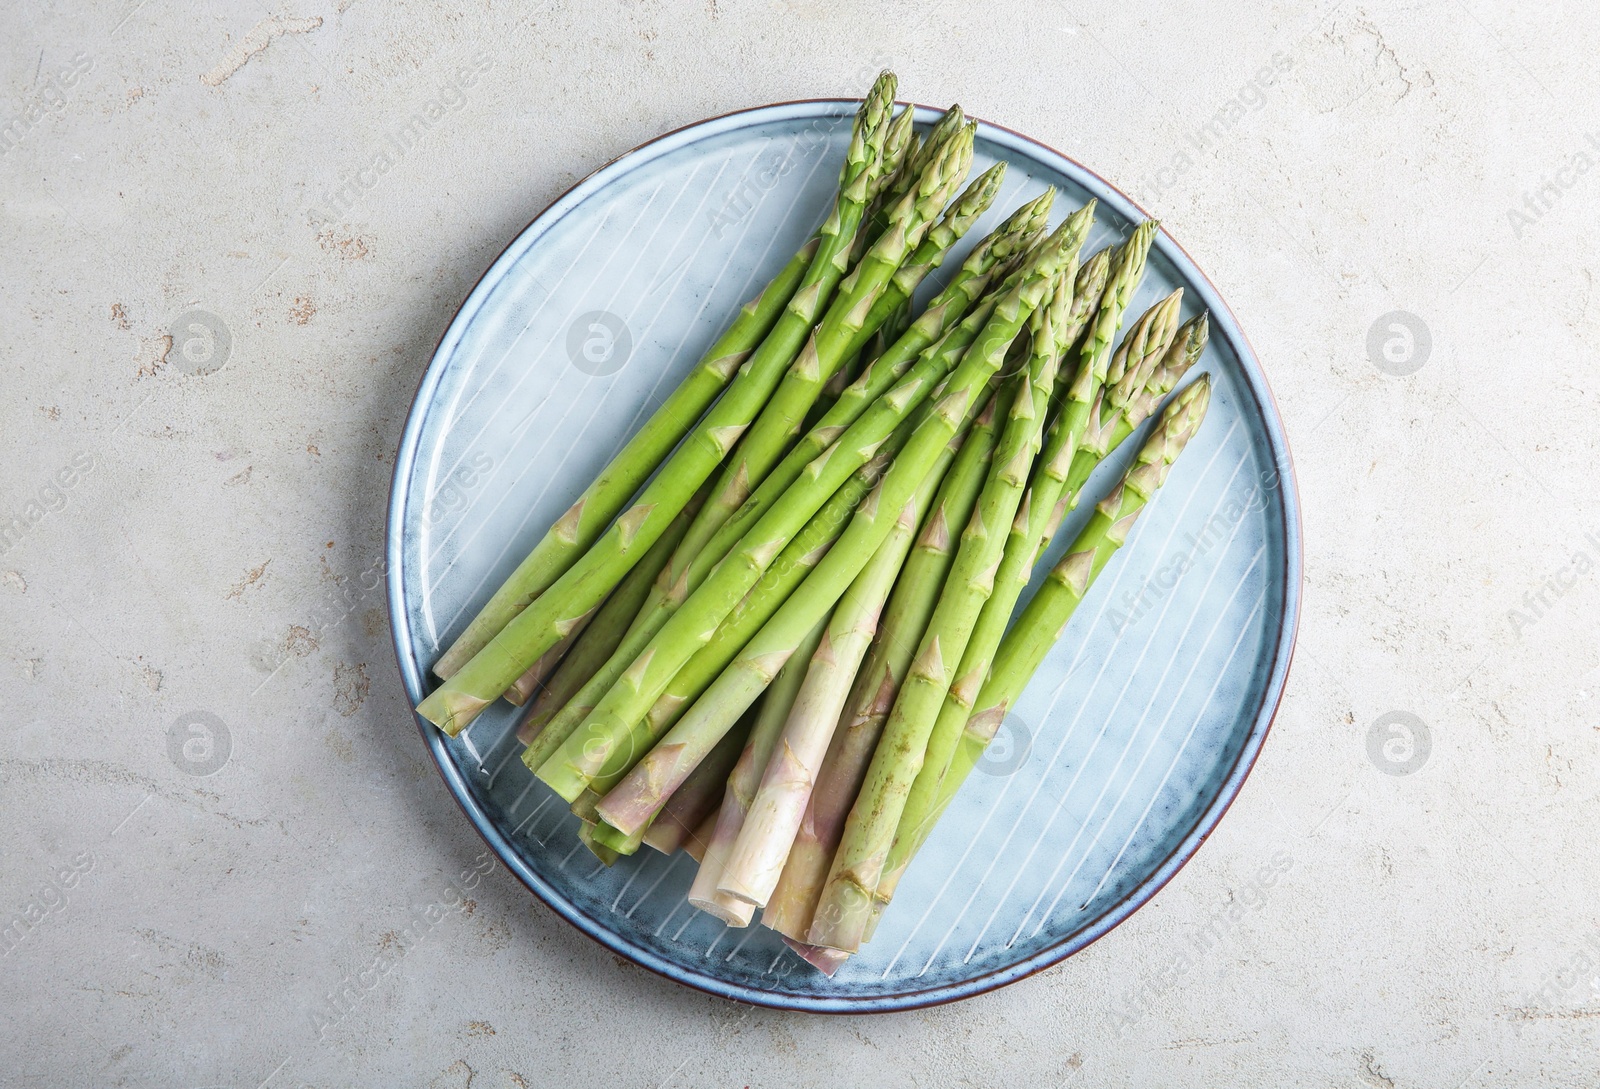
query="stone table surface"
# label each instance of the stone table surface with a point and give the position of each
(1398, 200)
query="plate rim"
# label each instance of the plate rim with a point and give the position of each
(1288, 620)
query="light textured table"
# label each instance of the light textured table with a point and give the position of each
(190, 548)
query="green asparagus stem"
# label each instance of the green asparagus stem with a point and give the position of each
(947, 327)
(918, 154)
(582, 587)
(1045, 617)
(1132, 389)
(943, 332)
(599, 850)
(620, 845)
(690, 628)
(901, 166)
(634, 800)
(741, 789)
(1131, 369)
(598, 759)
(791, 568)
(1066, 432)
(849, 322)
(601, 635)
(754, 862)
(701, 794)
(877, 682)
(845, 905)
(603, 499)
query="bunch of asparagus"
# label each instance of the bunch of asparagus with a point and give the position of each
(786, 651)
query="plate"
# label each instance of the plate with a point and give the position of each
(1124, 752)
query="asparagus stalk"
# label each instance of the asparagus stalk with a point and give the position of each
(848, 323)
(877, 682)
(786, 573)
(585, 582)
(918, 156)
(1131, 369)
(1068, 429)
(1045, 617)
(599, 850)
(741, 789)
(756, 859)
(700, 795)
(533, 678)
(693, 625)
(843, 910)
(598, 642)
(599, 636)
(599, 758)
(635, 800)
(949, 325)
(603, 499)
(943, 333)
(900, 148)
(793, 903)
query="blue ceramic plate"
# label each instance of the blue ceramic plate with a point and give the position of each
(1124, 752)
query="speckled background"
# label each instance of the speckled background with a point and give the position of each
(217, 812)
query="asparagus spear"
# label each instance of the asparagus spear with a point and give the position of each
(634, 800)
(599, 636)
(603, 499)
(942, 333)
(741, 789)
(1131, 369)
(844, 908)
(849, 321)
(876, 683)
(701, 793)
(917, 158)
(693, 625)
(562, 728)
(599, 850)
(584, 584)
(951, 323)
(629, 469)
(1067, 430)
(1045, 617)
(900, 147)
(790, 909)
(593, 763)
(756, 858)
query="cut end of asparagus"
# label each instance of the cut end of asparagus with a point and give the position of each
(734, 913)
(826, 961)
(599, 850)
(452, 711)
